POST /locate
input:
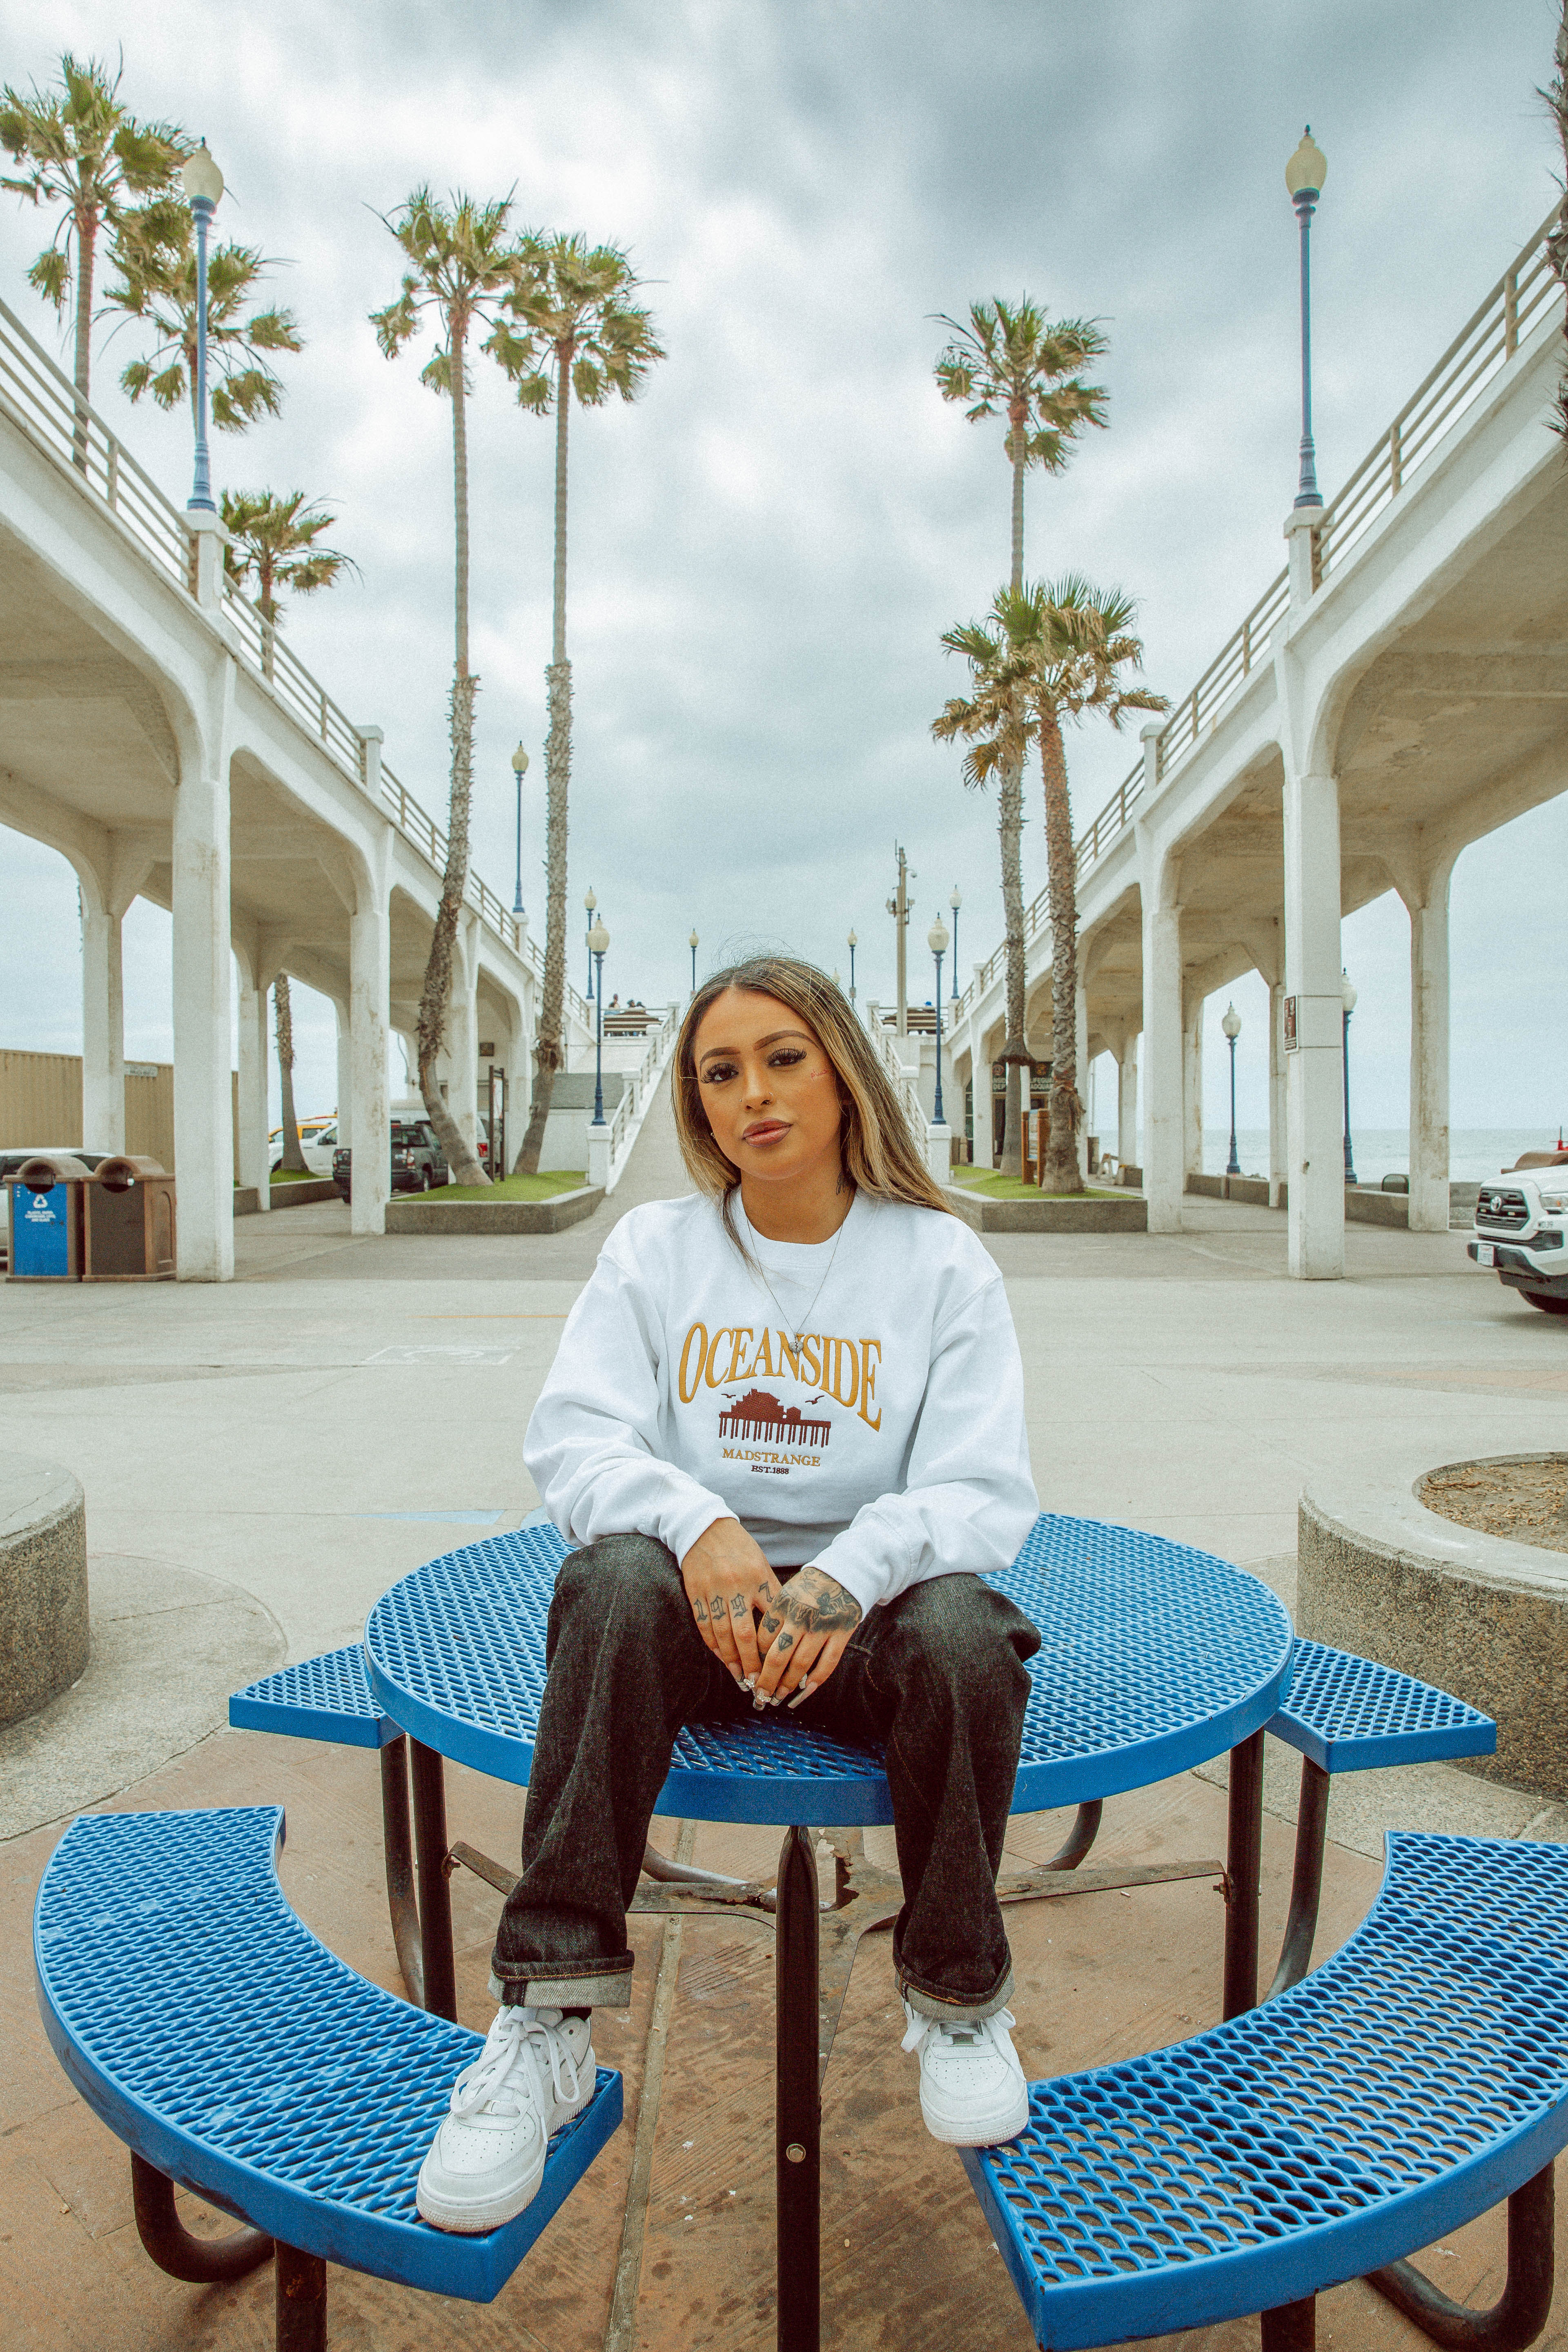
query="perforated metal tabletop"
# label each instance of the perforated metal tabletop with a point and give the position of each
(1153, 1658)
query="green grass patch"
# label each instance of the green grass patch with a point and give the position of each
(298, 1176)
(543, 1187)
(997, 1187)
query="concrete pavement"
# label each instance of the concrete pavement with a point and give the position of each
(262, 1459)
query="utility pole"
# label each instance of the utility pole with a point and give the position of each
(899, 908)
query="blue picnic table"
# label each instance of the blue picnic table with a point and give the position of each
(1154, 1657)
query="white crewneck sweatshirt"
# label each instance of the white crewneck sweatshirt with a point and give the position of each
(857, 1403)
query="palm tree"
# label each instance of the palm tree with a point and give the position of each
(1556, 97)
(573, 331)
(275, 541)
(1042, 655)
(462, 266)
(80, 149)
(293, 1159)
(158, 285)
(1010, 357)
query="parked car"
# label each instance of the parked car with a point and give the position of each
(1521, 1229)
(318, 1141)
(416, 1162)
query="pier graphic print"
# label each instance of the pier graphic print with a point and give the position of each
(758, 1415)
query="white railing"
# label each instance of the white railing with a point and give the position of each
(42, 401)
(885, 1044)
(626, 1121)
(1484, 345)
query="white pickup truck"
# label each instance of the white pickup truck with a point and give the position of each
(1521, 1229)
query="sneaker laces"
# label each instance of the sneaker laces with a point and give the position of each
(514, 2047)
(970, 2031)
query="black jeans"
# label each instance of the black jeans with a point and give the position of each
(937, 1675)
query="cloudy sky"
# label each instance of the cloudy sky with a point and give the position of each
(766, 549)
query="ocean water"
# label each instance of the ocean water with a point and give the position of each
(1474, 1153)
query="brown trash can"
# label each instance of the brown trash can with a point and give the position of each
(45, 1224)
(127, 1225)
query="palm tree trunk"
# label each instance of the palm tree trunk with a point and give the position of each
(86, 245)
(547, 1050)
(436, 993)
(1010, 826)
(1557, 238)
(1062, 1171)
(293, 1158)
(1016, 1101)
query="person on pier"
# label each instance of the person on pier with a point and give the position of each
(784, 1432)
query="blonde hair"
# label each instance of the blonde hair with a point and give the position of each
(879, 1154)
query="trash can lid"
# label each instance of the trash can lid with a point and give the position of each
(48, 1168)
(121, 1170)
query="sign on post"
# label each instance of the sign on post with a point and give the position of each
(1291, 1040)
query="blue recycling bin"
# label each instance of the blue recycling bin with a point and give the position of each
(46, 1221)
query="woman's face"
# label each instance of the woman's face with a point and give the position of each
(770, 1091)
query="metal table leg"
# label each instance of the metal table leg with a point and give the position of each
(1290, 2327)
(398, 1851)
(1307, 1880)
(1243, 1866)
(301, 2302)
(435, 1892)
(1525, 2306)
(797, 2110)
(202, 2262)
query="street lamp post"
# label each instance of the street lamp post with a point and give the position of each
(204, 186)
(956, 902)
(1347, 999)
(598, 941)
(1231, 1024)
(1304, 176)
(853, 943)
(590, 901)
(520, 769)
(692, 944)
(936, 940)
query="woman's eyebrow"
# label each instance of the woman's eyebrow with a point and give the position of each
(711, 1053)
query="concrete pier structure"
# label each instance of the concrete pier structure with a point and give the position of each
(1396, 692)
(171, 749)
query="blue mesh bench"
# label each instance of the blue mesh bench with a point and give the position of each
(1413, 2082)
(1350, 1714)
(1155, 1657)
(202, 2021)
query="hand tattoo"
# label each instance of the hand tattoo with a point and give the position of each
(814, 1603)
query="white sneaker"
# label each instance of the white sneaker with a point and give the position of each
(533, 2074)
(973, 2092)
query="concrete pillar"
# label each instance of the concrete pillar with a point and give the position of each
(1080, 1038)
(1162, 1063)
(370, 984)
(343, 1011)
(1276, 1092)
(254, 1124)
(518, 1062)
(204, 1113)
(1127, 1105)
(1193, 1088)
(1429, 1058)
(102, 1030)
(1315, 1163)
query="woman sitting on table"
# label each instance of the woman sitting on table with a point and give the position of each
(785, 1429)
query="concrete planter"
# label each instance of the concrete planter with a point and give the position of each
(426, 1212)
(1097, 1214)
(43, 1584)
(1381, 1576)
(298, 1195)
